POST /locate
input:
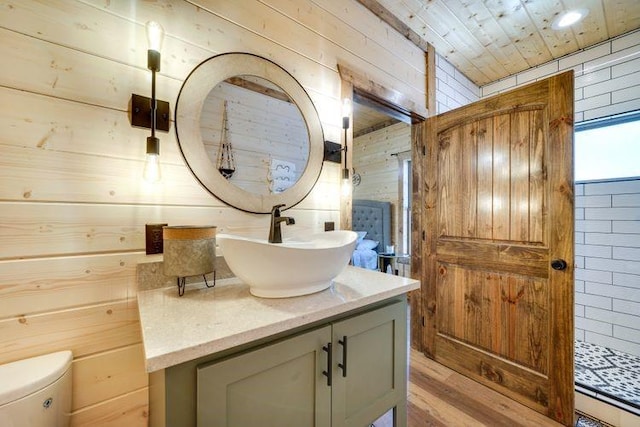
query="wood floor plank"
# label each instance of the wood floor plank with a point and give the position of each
(439, 396)
(437, 410)
(418, 418)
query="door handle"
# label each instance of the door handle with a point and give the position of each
(328, 372)
(559, 264)
(343, 365)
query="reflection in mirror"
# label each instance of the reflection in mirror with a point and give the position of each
(255, 134)
(260, 143)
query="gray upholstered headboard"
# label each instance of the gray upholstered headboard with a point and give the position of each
(374, 217)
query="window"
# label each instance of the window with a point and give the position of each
(608, 148)
(406, 205)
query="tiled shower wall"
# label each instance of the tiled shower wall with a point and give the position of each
(607, 77)
(608, 264)
(453, 89)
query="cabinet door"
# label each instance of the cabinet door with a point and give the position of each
(376, 363)
(278, 385)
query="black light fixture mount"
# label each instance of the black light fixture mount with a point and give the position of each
(332, 152)
(140, 113)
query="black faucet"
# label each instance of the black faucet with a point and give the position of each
(275, 234)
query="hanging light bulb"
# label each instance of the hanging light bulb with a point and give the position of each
(151, 172)
(346, 177)
(155, 36)
(346, 185)
(346, 112)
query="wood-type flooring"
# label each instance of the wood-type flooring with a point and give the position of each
(440, 397)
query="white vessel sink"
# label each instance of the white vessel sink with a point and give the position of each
(298, 266)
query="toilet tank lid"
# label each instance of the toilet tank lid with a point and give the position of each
(23, 377)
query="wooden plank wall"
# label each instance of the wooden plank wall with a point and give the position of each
(375, 159)
(72, 201)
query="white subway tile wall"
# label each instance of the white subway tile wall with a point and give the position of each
(608, 264)
(453, 89)
(607, 77)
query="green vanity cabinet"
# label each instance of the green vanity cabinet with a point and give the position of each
(277, 385)
(294, 380)
(376, 367)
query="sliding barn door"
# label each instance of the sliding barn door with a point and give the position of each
(498, 258)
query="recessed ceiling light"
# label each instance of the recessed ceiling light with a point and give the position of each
(568, 18)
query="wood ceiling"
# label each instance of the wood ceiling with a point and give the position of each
(488, 40)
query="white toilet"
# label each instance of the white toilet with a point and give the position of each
(36, 392)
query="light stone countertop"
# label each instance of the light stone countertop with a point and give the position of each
(206, 321)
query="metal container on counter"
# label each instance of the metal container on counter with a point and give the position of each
(189, 250)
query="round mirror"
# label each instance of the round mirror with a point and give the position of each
(249, 132)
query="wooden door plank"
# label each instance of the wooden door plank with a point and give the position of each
(446, 302)
(498, 256)
(519, 174)
(449, 159)
(418, 176)
(537, 158)
(430, 220)
(495, 372)
(472, 297)
(501, 177)
(530, 298)
(484, 160)
(561, 244)
(469, 191)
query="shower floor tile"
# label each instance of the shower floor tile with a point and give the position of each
(610, 373)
